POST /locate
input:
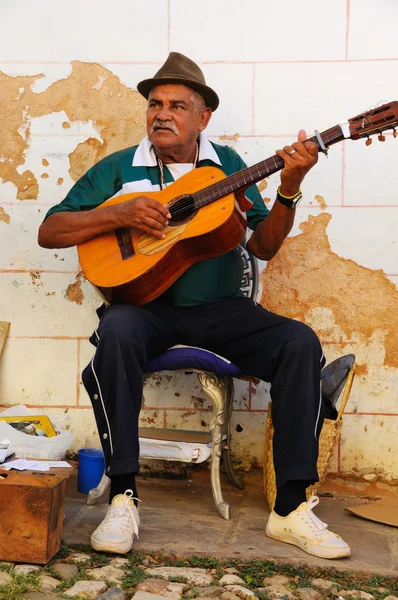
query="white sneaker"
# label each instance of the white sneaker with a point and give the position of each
(116, 532)
(303, 529)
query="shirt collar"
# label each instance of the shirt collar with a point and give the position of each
(145, 155)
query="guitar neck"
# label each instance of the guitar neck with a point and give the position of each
(251, 175)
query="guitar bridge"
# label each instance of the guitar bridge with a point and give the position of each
(125, 242)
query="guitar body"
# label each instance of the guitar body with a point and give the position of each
(131, 267)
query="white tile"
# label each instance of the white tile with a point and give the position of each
(247, 444)
(259, 30)
(374, 386)
(324, 94)
(190, 419)
(131, 74)
(169, 389)
(260, 396)
(53, 31)
(30, 304)
(18, 242)
(324, 179)
(375, 390)
(369, 444)
(39, 371)
(151, 418)
(373, 29)
(371, 175)
(233, 84)
(241, 395)
(368, 236)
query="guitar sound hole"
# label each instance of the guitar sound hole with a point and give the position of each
(182, 209)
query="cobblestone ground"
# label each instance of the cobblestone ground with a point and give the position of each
(78, 572)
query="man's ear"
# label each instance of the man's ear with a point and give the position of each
(205, 118)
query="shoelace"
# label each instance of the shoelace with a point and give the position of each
(318, 526)
(122, 517)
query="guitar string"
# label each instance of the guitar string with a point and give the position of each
(221, 189)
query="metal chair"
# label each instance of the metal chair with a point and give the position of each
(216, 375)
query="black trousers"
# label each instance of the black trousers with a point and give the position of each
(278, 350)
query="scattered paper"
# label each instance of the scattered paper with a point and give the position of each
(22, 464)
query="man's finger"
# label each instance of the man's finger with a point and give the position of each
(154, 224)
(152, 213)
(302, 136)
(164, 210)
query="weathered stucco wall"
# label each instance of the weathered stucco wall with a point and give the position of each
(68, 76)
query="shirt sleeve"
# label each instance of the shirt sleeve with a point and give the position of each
(100, 183)
(259, 211)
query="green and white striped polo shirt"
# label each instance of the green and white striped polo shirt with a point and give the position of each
(135, 170)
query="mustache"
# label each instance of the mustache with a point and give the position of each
(157, 124)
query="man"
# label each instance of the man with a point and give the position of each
(202, 308)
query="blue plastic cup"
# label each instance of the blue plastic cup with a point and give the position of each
(91, 468)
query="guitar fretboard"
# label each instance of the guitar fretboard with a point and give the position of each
(251, 175)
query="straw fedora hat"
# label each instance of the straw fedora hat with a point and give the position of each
(180, 69)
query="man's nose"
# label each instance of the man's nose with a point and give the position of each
(164, 113)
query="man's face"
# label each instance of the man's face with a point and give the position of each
(175, 117)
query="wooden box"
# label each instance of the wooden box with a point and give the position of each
(31, 516)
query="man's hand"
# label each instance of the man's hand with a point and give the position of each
(299, 158)
(143, 213)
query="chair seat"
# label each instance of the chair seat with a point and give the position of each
(190, 357)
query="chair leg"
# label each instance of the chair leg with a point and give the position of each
(234, 478)
(216, 389)
(94, 495)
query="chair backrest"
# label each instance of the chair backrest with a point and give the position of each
(249, 283)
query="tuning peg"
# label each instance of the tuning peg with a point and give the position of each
(368, 141)
(381, 137)
(395, 133)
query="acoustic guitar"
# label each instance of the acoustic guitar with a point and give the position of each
(207, 210)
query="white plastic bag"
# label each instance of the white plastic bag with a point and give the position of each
(31, 446)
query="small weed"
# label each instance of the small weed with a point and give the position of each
(263, 595)
(134, 577)
(6, 567)
(21, 585)
(177, 579)
(99, 560)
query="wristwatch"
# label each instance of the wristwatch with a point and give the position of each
(289, 201)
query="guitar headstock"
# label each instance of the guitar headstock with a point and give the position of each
(375, 121)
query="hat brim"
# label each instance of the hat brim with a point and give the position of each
(210, 97)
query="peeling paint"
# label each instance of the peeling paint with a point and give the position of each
(4, 216)
(306, 274)
(45, 162)
(60, 181)
(74, 292)
(262, 185)
(36, 279)
(79, 97)
(229, 138)
(321, 201)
